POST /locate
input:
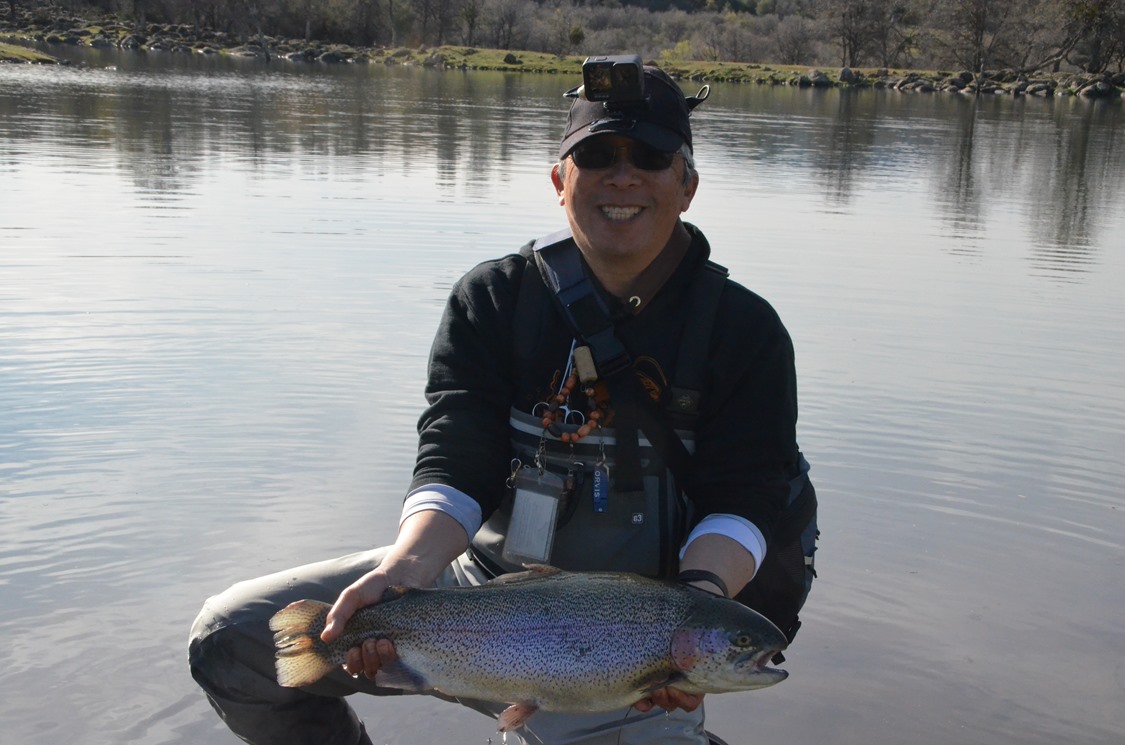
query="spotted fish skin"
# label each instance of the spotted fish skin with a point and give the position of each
(545, 639)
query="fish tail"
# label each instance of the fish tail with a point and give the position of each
(302, 657)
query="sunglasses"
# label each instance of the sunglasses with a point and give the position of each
(595, 154)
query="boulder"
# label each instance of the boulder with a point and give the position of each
(818, 79)
(249, 50)
(1097, 89)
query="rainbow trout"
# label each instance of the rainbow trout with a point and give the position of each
(544, 639)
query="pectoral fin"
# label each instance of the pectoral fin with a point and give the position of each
(515, 716)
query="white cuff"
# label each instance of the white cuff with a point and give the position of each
(736, 528)
(453, 502)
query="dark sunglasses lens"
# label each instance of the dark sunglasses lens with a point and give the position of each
(594, 155)
(650, 159)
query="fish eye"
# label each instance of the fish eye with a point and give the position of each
(742, 639)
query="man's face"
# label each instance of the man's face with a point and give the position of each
(622, 213)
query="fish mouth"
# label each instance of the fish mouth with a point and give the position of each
(754, 665)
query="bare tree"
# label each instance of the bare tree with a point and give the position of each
(849, 21)
(505, 18)
(1098, 32)
(795, 40)
(976, 29)
(734, 40)
(369, 20)
(893, 31)
(440, 17)
(470, 16)
(1040, 36)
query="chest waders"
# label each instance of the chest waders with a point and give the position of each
(642, 525)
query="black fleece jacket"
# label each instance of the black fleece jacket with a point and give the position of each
(746, 447)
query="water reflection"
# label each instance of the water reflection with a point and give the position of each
(1050, 161)
(848, 145)
(1079, 189)
(961, 199)
(1054, 162)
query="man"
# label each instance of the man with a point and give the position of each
(510, 388)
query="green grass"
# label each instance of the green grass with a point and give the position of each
(494, 59)
(16, 53)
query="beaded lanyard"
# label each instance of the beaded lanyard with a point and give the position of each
(580, 369)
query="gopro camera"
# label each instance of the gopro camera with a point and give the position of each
(617, 80)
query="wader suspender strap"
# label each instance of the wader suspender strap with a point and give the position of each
(560, 263)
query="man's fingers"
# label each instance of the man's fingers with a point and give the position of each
(357, 595)
(354, 662)
(670, 699)
(688, 701)
(371, 661)
(377, 654)
(343, 609)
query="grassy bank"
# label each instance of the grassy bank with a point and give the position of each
(17, 53)
(172, 39)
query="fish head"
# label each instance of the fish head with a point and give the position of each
(724, 646)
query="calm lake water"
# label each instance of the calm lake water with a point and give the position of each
(218, 285)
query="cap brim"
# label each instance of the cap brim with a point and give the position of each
(653, 135)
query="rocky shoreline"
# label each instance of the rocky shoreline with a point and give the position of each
(185, 39)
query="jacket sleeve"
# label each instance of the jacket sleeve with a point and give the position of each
(463, 432)
(746, 443)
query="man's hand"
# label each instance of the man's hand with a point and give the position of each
(427, 542)
(670, 699)
(373, 654)
(734, 565)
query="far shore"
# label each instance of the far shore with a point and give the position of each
(171, 39)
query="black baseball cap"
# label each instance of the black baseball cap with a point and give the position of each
(660, 121)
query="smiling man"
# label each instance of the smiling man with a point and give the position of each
(604, 399)
(632, 179)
